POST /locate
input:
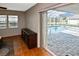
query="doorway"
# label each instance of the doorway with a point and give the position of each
(61, 32)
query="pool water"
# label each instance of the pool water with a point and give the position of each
(55, 29)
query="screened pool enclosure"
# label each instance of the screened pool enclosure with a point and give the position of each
(63, 33)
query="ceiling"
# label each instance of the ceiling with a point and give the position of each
(17, 6)
(73, 8)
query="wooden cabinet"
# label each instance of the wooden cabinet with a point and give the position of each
(29, 37)
(1, 43)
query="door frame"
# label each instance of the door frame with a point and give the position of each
(43, 41)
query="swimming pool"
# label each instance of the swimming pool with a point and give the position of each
(55, 29)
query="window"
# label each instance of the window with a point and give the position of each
(12, 21)
(73, 22)
(3, 21)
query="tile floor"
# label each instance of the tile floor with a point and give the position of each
(64, 44)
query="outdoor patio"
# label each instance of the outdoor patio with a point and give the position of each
(63, 43)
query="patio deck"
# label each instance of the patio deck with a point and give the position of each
(64, 43)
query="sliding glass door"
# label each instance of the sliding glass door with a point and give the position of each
(60, 32)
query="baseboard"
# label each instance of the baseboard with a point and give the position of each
(51, 53)
(12, 36)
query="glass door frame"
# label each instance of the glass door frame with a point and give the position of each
(44, 30)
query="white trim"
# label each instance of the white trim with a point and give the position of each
(53, 7)
(52, 54)
(44, 30)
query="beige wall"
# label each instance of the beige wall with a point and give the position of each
(33, 17)
(17, 31)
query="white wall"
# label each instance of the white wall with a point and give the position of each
(33, 18)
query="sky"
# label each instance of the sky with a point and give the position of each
(52, 13)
